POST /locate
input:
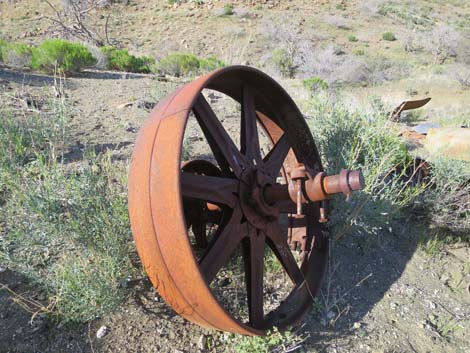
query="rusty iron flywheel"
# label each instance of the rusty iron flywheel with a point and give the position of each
(241, 194)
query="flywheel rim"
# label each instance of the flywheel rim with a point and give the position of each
(156, 206)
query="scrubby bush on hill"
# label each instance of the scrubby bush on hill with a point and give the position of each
(397, 183)
(64, 227)
(449, 197)
(366, 141)
(181, 64)
(2, 44)
(283, 62)
(228, 10)
(61, 55)
(15, 54)
(335, 69)
(352, 38)
(68, 57)
(389, 36)
(443, 43)
(210, 63)
(314, 84)
(121, 60)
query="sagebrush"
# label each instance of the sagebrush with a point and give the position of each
(64, 226)
(121, 60)
(358, 140)
(59, 55)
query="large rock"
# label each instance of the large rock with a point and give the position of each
(452, 143)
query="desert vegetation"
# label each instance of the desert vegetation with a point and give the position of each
(55, 55)
(65, 227)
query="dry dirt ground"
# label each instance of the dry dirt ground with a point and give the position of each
(381, 294)
(257, 28)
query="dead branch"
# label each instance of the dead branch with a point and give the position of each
(73, 21)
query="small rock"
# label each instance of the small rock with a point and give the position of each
(202, 342)
(102, 331)
(426, 325)
(125, 105)
(39, 323)
(445, 278)
(131, 129)
(145, 105)
(393, 306)
(357, 325)
(213, 98)
(338, 51)
(2, 269)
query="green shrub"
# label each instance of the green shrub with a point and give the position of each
(389, 36)
(359, 52)
(272, 342)
(69, 233)
(2, 45)
(368, 142)
(16, 54)
(449, 196)
(352, 38)
(210, 64)
(283, 62)
(179, 64)
(66, 229)
(228, 10)
(57, 54)
(314, 84)
(121, 60)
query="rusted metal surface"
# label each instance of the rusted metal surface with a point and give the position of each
(408, 105)
(241, 195)
(198, 213)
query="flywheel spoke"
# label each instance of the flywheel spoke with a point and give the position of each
(224, 149)
(249, 130)
(253, 254)
(222, 246)
(275, 158)
(281, 250)
(209, 188)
